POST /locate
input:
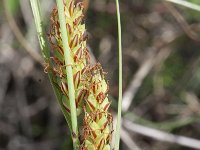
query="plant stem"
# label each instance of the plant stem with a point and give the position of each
(69, 72)
(118, 127)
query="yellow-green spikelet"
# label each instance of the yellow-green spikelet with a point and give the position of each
(79, 53)
(97, 130)
(90, 85)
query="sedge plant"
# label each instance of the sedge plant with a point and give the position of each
(81, 88)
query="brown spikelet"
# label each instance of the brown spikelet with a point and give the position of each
(75, 29)
(89, 83)
(97, 119)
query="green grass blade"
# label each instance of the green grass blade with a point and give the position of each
(46, 53)
(35, 5)
(68, 71)
(186, 4)
(118, 127)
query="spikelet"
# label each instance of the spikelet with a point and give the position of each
(79, 53)
(97, 129)
(90, 86)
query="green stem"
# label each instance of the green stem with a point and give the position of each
(118, 127)
(69, 72)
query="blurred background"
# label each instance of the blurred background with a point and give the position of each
(161, 75)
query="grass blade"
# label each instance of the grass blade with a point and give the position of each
(118, 127)
(186, 4)
(35, 5)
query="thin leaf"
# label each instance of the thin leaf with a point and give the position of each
(118, 127)
(186, 4)
(45, 52)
